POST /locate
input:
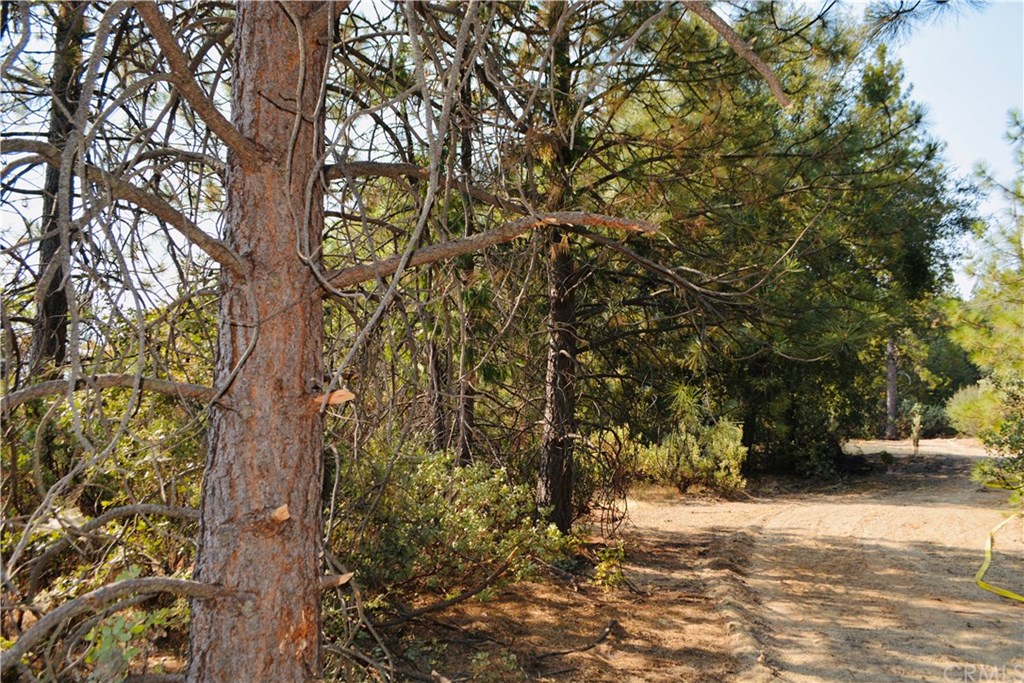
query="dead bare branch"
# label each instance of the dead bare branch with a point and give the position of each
(41, 562)
(181, 75)
(121, 189)
(703, 10)
(55, 387)
(355, 169)
(348, 277)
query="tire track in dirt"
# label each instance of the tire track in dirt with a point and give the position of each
(871, 584)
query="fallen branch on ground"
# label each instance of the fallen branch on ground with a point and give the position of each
(461, 597)
(600, 639)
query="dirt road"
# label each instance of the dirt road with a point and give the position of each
(870, 582)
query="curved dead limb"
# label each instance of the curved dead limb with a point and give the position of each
(181, 76)
(216, 249)
(603, 636)
(92, 601)
(703, 10)
(443, 251)
(41, 562)
(194, 392)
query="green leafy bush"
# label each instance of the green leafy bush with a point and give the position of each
(118, 639)
(927, 420)
(975, 409)
(608, 571)
(1006, 441)
(705, 455)
(420, 522)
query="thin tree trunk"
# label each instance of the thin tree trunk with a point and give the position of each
(437, 368)
(554, 486)
(50, 329)
(891, 396)
(467, 393)
(466, 417)
(266, 445)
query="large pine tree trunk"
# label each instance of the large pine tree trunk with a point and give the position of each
(266, 437)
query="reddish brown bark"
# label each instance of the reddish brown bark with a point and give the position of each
(266, 448)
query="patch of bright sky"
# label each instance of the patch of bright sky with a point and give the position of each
(968, 71)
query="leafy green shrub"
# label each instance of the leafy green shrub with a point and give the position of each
(711, 456)
(976, 409)
(422, 523)
(926, 420)
(1007, 442)
(608, 570)
(118, 639)
(496, 667)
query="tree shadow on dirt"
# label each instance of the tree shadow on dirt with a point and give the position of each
(659, 631)
(838, 609)
(932, 480)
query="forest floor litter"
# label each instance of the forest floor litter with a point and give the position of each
(871, 580)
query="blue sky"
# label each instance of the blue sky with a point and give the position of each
(968, 70)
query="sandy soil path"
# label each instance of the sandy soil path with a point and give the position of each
(872, 582)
